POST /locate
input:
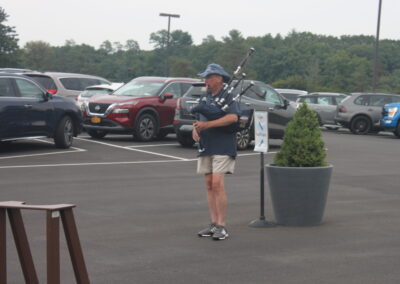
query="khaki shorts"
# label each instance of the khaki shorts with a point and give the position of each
(218, 164)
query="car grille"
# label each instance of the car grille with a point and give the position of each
(98, 108)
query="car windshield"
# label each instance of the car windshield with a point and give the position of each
(140, 89)
(92, 92)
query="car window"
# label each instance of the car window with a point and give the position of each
(380, 100)
(271, 96)
(6, 89)
(362, 100)
(28, 89)
(290, 96)
(173, 88)
(79, 84)
(195, 91)
(324, 100)
(254, 92)
(340, 99)
(44, 81)
(308, 100)
(185, 87)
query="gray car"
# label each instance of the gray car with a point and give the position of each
(324, 104)
(65, 84)
(361, 112)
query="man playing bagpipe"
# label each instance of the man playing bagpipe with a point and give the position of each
(217, 148)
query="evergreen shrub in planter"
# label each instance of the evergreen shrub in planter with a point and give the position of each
(299, 178)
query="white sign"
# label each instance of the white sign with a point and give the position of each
(261, 131)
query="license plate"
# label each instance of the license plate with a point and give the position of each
(95, 119)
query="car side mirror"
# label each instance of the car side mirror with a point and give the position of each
(167, 96)
(47, 96)
(285, 104)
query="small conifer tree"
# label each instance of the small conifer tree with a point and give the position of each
(302, 143)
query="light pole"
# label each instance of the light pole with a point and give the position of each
(168, 32)
(377, 47)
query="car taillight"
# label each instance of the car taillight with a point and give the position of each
(52, 91)
(342, 109)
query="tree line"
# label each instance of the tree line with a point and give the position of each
(299, 60)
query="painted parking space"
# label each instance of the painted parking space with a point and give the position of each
(110, 151)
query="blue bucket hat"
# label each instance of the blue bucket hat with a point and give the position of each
(215, 69)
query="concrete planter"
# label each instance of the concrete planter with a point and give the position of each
(299, 194)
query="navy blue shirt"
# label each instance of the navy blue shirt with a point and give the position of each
(216, 141)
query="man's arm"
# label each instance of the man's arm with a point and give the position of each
(223, 121)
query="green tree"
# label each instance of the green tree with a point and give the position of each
(8, 42)
(38, 55)
(302, 143)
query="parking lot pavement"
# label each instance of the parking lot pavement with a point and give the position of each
(139, 206)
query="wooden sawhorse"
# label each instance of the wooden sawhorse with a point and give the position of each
(13, 208)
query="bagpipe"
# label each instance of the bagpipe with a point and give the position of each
(223, 102)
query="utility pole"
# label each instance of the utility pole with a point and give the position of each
(168, 33)
(377, 47)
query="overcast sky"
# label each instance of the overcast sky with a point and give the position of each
(94, 21)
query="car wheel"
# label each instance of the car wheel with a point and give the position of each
(397, 131)
(185, 140)
(243, 139)
(145, 128)
(98, 134)
(360, 125)
(64, 133)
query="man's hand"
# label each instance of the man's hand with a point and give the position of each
(195, 135)
(201, 125)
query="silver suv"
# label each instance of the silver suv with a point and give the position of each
(65, 84)
(361, 112)
(324, 104)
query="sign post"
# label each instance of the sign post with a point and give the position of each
(261, 145)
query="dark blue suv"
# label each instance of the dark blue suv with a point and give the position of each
(28, 111)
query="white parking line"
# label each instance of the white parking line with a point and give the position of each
(154, 145)
(133, 149)
(43, 154)
(94, 164)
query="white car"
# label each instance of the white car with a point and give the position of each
(96, 90)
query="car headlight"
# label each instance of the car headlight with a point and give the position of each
(120, 110)
(392, 111)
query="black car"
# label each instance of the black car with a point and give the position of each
(28, 111)
(260, 97)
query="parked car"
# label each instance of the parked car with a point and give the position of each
(95, 90)
(65, 84)
(291, 94)
(144, 107)
(28, 111)
(361, 112)
(260, 97)
(390, 120)
(324, 104)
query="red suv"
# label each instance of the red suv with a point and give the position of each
(144, 107)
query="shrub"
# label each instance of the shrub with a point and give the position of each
(302, 143)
